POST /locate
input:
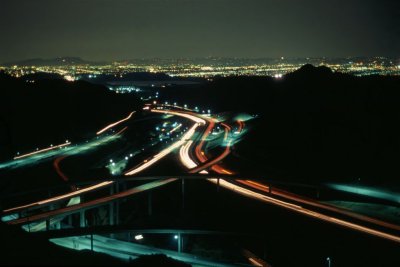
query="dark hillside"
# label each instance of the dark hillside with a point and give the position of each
(313, 123)
(51, 111)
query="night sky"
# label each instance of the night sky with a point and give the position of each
(128, 29)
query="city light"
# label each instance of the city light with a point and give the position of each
(276, 68)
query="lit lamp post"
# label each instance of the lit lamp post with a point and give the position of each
(328, 259)
(179, 239)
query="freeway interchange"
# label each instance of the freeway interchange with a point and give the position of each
(193, 152)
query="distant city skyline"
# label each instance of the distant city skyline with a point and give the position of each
(76, 68)
(112, 30)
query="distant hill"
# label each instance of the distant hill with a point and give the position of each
(59, 61)
(51, 111)
(134, 76)
(41, 76)
(313, 124)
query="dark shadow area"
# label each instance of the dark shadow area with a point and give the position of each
(51, 111)
(312, 124)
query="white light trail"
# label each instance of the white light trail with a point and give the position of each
(184, 156)
(185, 115)
(299, 209)
(61, 197)
(42, 150)
(164, 152)
(115, 123)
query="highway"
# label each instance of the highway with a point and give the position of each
(66, 149)
(115, 123)
(193, 154)
(97, 186)
(49, 201)
(42, 150)
(303, 200)
(146, 164)
(186, 145)
(91, 204)
(299, 209)
(251, 190)
(128, 250)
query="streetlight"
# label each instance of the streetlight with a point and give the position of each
(328, 259)
(179, 239)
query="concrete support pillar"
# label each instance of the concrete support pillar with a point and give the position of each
(57, 225)
(91, 242)
(149, 204)
(82, 222)
(70, 220)
(111, 213)
(123, 188)
(117, 203)
(183, 194)
(218, 197)
(29, 226)
(111, 208)
(179, 243)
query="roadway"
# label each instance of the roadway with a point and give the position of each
(128, 250)
(262, 192)
(247, 188)
(193, 154)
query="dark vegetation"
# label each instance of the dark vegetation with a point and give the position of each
(312, 124)
(51, 111)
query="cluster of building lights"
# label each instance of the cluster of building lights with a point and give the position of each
(220, 67)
